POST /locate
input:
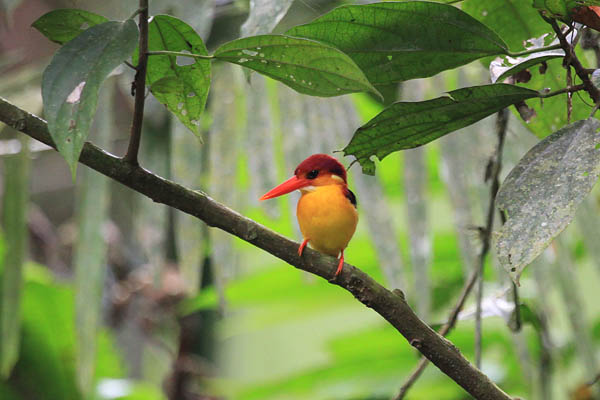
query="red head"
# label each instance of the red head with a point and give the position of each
(316, 170)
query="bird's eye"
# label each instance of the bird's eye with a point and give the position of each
(312, 174)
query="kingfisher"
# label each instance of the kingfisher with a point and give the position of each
(326, 210)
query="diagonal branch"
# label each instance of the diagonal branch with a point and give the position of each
(390, 305)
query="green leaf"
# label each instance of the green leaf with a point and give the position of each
(406, 125)
(183, 89)
(14, 212)
(71, 82)
(63, 25)
(541, 194)
(393, 42)
(307, 66)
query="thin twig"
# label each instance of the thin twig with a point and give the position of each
(518, 321)
(130, 65)
(570, 89)
(567, 64)
(131, 157)
(390, 305)
(486, 241)
(478, 301)
(137, 12)
(569, 95)
(574, 61)
(496, 162)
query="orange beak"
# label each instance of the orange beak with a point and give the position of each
(294, 183)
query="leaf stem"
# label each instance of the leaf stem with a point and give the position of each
(137, 12)
(534, 50)
(130, 65)
(570, 89)
(179, 54)
(139, 85)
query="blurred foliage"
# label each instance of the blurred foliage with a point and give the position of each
(192, 312)
(47, 352)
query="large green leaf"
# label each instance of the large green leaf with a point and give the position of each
(394, 42)
(183, 89)
(406, 125)
(14, 212)
(541, 194)
(71, 82)
(63, 25)
(307, 66)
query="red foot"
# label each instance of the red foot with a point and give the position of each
(302, 246)
(340, 265)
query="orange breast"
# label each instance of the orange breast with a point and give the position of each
(327, 218)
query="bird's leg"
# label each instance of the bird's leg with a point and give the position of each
(302, 246)
(340, 265)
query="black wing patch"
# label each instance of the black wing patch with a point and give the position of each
(350, 196)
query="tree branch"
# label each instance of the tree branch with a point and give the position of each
(443, 331)
(390, 305)
(570, 89)
(486, 241)
(131, 157)
(574, 61)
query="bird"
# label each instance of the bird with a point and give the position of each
(327, 210)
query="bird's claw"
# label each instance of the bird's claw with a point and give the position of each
(339, 268)
(302, 246)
